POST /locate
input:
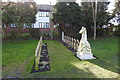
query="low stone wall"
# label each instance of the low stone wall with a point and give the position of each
(45, 29)
(23, 30)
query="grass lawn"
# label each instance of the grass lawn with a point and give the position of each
(18, 57)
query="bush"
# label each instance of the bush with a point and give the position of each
(56, 35)
(117, 33)
(100, 32)
(35, 33)
(46, 35)
(14, 34)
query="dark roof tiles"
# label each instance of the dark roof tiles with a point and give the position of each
(41, 7)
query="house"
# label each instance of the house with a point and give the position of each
(43, 18)
(42, 22)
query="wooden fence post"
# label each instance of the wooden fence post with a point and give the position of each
(65, 39)
(38, 53)
(77, 43)
(63, 36)
(74, 44)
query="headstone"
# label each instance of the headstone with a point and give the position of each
(72, 43)
(84, 50)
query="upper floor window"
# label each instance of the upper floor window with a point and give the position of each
(43, 14)
(47, 14)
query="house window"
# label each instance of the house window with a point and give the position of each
(43, 14)
(32, 25)
(12, 25)
(47, 14)
(40, 14)
(40, 25)
(26, 26)
(45, 25)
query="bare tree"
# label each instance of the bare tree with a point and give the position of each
(94, 10)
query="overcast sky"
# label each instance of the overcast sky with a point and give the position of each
(53, 2)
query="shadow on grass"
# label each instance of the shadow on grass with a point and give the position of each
(67, 71)
(106, 65)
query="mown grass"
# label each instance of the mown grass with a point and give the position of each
(106, 49)
(18, 58)
(15, 53)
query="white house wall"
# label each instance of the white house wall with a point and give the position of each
(40, 19)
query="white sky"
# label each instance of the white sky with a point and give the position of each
(53, 2)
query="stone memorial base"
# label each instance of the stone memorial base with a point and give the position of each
(85, 56)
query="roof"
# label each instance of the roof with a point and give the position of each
(42, 7)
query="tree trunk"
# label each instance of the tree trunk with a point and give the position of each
(4, 33)
(20, 26)
(94, 17)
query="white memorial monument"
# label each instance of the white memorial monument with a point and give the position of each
(84, 50)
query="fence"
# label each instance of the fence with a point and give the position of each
(38, 53)
(72, 42)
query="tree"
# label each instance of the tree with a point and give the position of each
(6, 18)
(116, 16)
(116, 12)
(94, 10)
(19, 13)
(95, 15)
(72, 16)
(68, 16)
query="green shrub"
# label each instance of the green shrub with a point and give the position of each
(117, 33)
(35, 33)
(46, 34)
(56, 35)
(14, 34)
(100, 32)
